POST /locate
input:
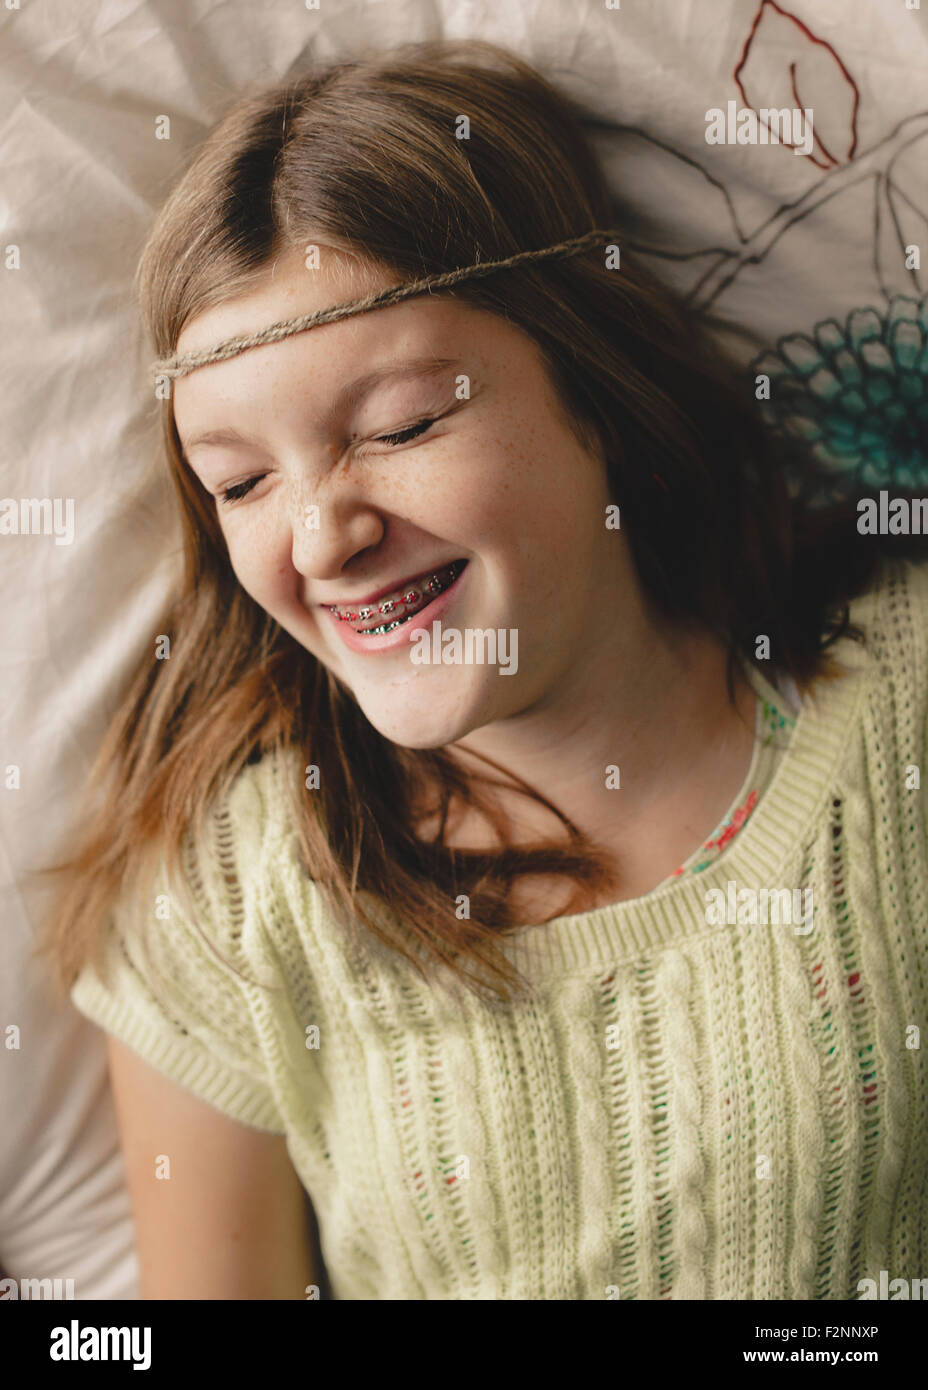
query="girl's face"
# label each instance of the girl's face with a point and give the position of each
(365, 456)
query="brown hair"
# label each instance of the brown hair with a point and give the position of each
(714, 534)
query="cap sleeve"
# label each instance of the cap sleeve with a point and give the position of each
(177, 982)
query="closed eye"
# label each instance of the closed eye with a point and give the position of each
(240, 490)
(403, 436)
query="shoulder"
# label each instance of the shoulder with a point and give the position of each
(892, 609)
(246, 831)
(894, 616)
(254, 808)
(255, 800)
(185, 960)
(906, 629)
(913, 579)
(212, 892)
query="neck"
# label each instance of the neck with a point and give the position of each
(654, 704)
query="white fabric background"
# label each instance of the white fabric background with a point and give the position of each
(81, 83)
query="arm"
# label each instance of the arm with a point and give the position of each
(230, 1221)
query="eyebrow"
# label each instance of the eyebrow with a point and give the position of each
(349, 396)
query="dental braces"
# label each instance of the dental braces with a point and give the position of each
(434, 586)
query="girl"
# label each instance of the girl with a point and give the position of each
(587, 973)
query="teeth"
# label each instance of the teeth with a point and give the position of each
(385, 627)
(413, 598)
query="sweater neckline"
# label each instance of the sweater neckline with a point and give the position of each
(762, 691)
(781, 821)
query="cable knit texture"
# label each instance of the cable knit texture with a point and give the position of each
(678, 1109)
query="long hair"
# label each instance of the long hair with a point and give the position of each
(364, 156)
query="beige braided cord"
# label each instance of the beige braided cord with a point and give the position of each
(182, 363)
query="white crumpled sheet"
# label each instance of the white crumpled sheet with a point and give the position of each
(81, 83)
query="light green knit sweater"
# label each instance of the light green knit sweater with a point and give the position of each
(684, 1108)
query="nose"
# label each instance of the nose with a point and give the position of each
(328, 530)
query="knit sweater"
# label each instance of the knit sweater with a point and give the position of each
(683, 1107)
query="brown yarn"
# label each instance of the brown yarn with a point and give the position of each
(181, 364)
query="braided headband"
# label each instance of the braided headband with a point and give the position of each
(181, 364)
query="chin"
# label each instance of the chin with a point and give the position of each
(407, 733)
(422, 724)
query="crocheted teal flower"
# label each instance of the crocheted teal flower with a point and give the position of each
(857, 397)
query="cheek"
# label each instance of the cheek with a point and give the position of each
(537, 495)
(473, 490)
(260, 565)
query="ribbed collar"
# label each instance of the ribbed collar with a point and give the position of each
(782, 821)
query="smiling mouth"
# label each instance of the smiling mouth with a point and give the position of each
(407, 602)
